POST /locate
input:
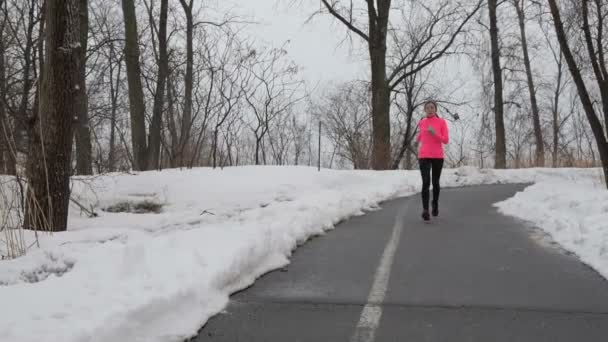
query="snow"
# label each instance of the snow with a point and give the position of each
(160, 276)
(573, 213)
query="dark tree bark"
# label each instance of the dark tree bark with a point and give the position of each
(378, 28)
(114, 92)
(597, 51)
(594, 121)
(378, 18)
(23, 122)
(555, 112)
(4, 129)
(538, 134)
(48, 167)
(136, 95)
(84, 149)
(8, 162)
(501, 148)
(159, 96)
(186, 127)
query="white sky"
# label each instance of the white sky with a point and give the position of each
(318, 47)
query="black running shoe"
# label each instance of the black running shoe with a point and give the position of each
(426, 216)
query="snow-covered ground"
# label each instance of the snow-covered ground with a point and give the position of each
(160, 276)
(573, 213)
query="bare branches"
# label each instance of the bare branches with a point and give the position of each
(424, 45)
(334, 10)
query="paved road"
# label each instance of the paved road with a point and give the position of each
(471, 275)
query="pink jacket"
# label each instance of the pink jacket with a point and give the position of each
(431, 146)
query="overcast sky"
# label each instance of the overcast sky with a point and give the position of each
(318, 47)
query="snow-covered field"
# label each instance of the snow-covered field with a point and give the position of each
(160, 276)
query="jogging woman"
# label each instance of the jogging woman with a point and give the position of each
(433, 134)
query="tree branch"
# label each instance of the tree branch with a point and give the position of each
(349, 24)
(432, 58)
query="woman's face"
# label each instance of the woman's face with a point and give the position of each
(430, 109)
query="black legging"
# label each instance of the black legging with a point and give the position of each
(425, 170)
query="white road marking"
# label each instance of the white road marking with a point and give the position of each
(372, 312)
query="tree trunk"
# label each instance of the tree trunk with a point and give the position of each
(556, 123)
(23, 123)
(538, 134)
(136, 95)
(48, 167)
(171, 126)
(84, 149)
(596, 52)
(555, 138)
(380, 88)
(594, 121)
(40, 48)
(114, 104)
(5, 148)
(258, 142)
(188, 80)
(159, 96)
(501, 148)
(215, 137)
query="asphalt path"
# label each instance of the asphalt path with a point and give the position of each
(471, 274)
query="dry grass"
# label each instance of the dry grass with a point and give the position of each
(12, 237)
(139, 207)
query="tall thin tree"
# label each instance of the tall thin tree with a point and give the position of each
(538, 134)
(84, 149)
(137, 106)
(575, 71)
(48, 167)
(500, 161)
(159, 96)
(4, 141)
(186, 127)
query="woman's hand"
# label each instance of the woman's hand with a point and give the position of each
(431, 130)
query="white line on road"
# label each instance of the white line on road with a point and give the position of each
(372, 312)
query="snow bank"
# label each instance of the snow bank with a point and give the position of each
(160, 276)
(574, 213)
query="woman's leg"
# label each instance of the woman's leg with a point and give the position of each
(425, 172)
(437, 165)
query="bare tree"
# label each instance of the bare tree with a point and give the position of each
(187, 5)
(276, 89)
(560, 83)
(232, 85)
(299, 137)
(21, 20)
(520, 6)
(154, 139)
(49, 158)
(501, 148)
(5, 150)
(136, 95)
(346, 116)
(84, 148)
(596, 55)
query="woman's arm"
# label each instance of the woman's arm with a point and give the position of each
(444, 135)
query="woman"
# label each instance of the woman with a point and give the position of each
(433, 133)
